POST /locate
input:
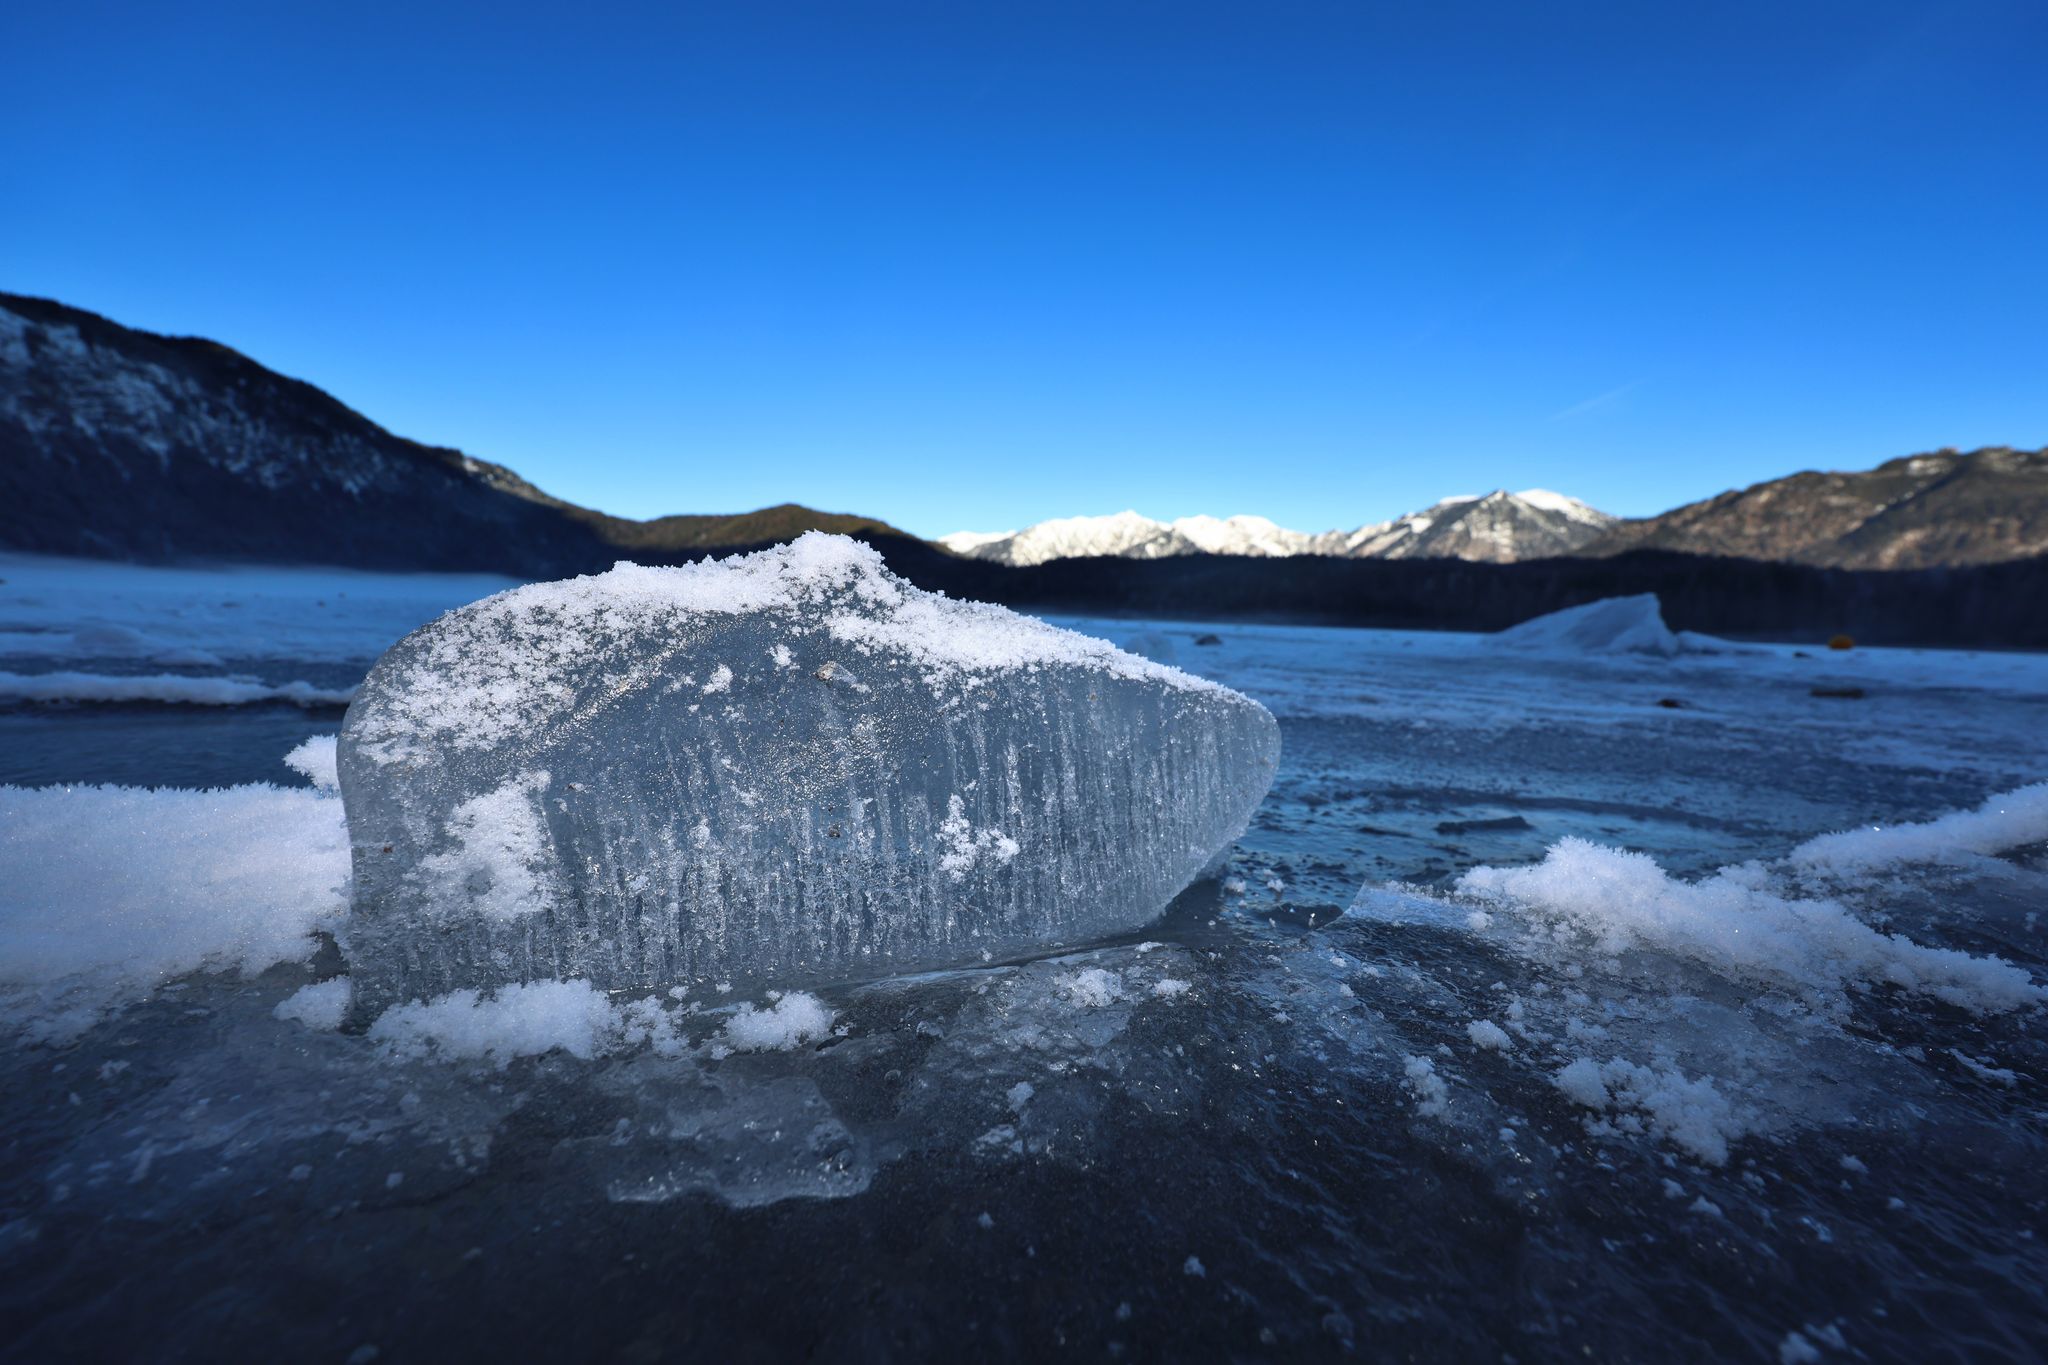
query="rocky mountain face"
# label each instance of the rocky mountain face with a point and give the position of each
(121, 443)
(1499, 528)
(1940, 510)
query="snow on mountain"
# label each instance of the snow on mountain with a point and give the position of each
(1564, 506)
(1497, 527)
(1242, 536)
(967, 542)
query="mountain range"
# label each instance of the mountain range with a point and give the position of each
(121, 443)
(1941, 509)
(1498, 528)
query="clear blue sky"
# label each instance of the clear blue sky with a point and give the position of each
(973, 264)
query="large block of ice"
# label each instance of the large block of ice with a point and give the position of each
(1612, 625)
(786, 767)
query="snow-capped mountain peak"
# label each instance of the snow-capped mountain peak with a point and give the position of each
(1562, 505)
(967, 542)
(1240, 535)
(1497, 526)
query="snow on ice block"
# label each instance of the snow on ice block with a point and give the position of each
(790, 766)
(1612, 625)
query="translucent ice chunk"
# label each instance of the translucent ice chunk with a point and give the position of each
(1612, 625)
(791, 766)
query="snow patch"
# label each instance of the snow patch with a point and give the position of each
(1091, 987)
(111, 891)
(513, 1021)
(2009, 820)
(1486, 1034)
(1433, 1098)
(788, 1023)
(321, 1006)
(1735, 924)
(174, 689)
(1664, 1102)
(315, 760)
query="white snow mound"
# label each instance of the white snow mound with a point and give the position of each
(2009, 820)
(1739, 925)
(113, 890)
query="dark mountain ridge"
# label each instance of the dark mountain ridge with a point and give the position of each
(120, 443)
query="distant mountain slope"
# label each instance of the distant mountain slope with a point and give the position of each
(1499, 528)
(1944, 509)
(1921, 511)
(117, 442)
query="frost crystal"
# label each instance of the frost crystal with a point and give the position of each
(788, 766)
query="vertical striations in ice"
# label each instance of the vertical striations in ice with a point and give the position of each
(790, 765)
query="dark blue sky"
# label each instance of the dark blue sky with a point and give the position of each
(969, 265)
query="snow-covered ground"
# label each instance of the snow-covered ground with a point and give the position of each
(1558, 1003)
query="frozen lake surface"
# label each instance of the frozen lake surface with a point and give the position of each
(1433, 1070)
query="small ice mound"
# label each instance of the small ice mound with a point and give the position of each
(1613, 625)
(1689, 1113)
(513, 1021)
(2009, 820)
(1737, 924)
(1091, 988)
(789, 1022)
(789, 766)
(1489, 1036)
(1432, 1096)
